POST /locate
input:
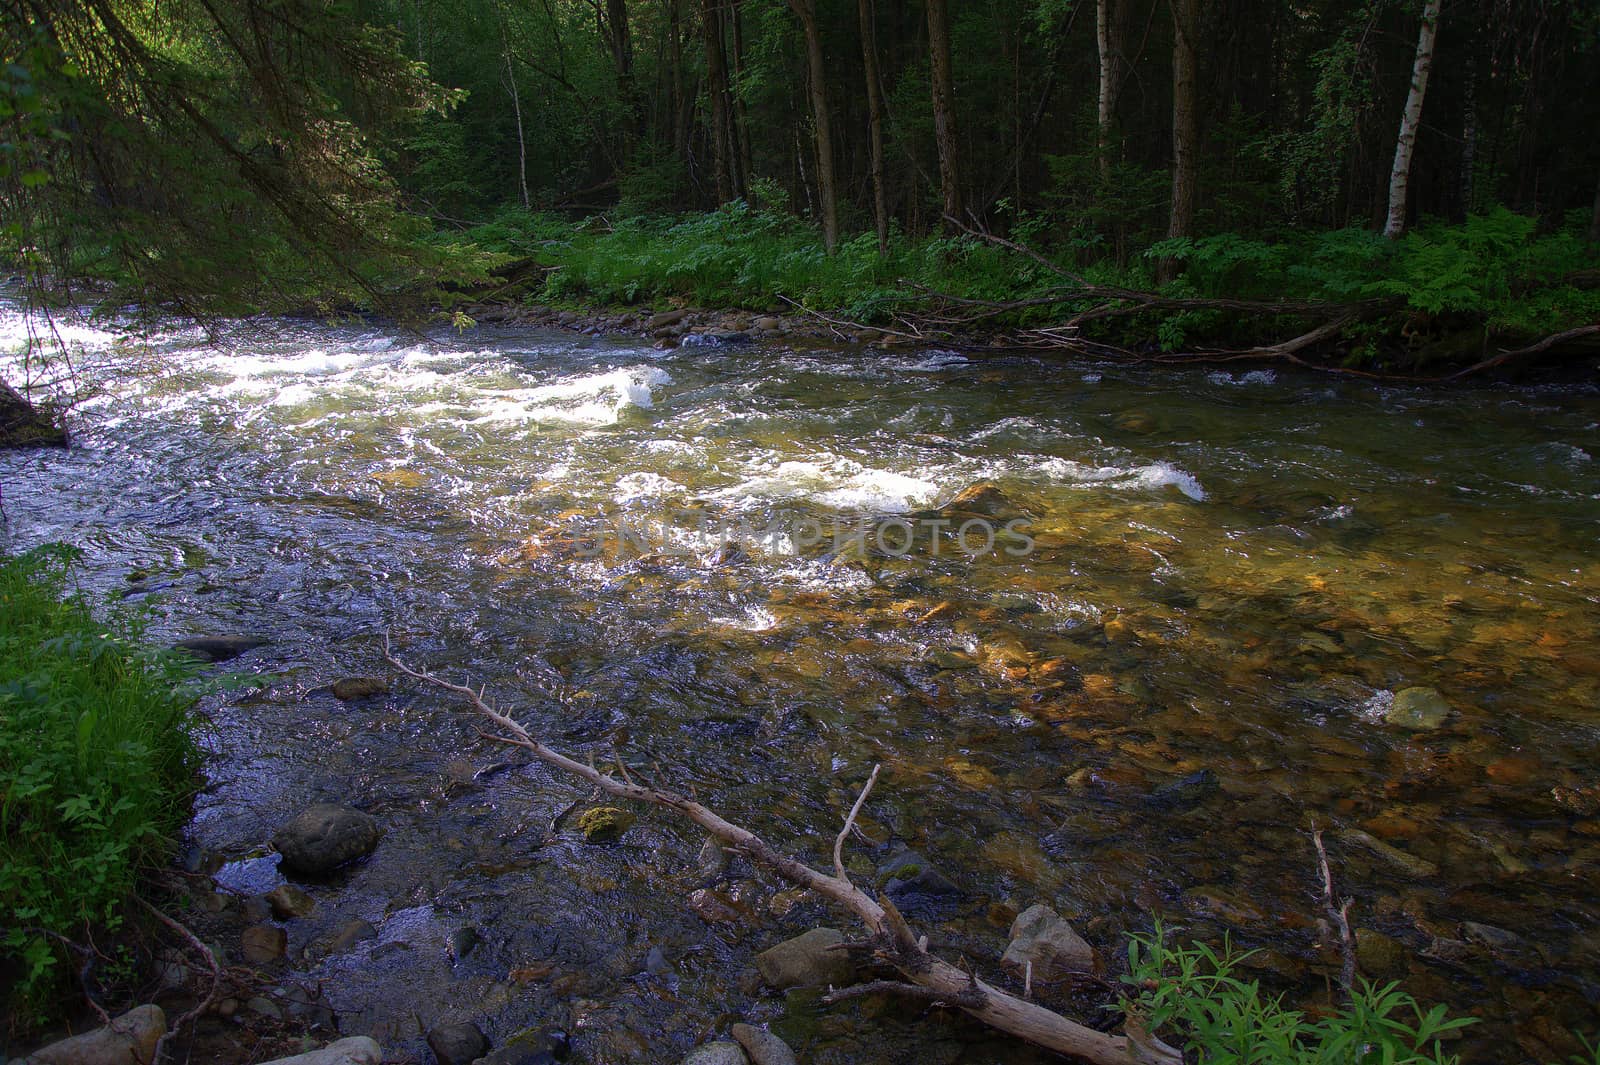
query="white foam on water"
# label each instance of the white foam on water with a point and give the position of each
(635, 487)
(836, 482)
(1154, 475)
(1377, 706)
(1252, 377)
(751, 619)
(936, 360)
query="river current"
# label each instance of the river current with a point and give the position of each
(1222, 580)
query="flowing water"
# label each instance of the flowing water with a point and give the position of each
(1229, 572)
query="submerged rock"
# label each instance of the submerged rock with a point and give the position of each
(288, 901)
(1188, 791)
(350, 688)
(1380, 956)
(984, 499)
(128, 1040)
(1041, 938)
(722, 1052)
(602, 824)
(218, 648)
(356, 1050)
(720, 338)
(906, 872)
(458, 1043)
(1419, 709)
(762, 1047)
(1403, 860)
(325, 836)
(814, 959)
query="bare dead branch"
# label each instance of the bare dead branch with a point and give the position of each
(199, 1010)
(1338, 913)
(898, 987)
(849, 822)
(902, 948)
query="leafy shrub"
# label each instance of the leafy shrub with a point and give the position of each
(97, 756)
(1194, 993)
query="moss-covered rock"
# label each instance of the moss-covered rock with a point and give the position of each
(604, 824)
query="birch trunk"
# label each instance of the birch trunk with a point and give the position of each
(1400, 175)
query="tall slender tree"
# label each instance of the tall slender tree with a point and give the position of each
(822, 122)
(1410, 119)
(1186, 16)
(944, 111)
(867, 15)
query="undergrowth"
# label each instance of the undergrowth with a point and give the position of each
(1193, 996)
(1455, 288)
(97, 760)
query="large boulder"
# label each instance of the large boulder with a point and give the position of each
(815, 959)
(323, 837)
(128, 1040)
(1041, 938)
(356, 1050)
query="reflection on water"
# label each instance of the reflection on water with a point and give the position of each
(1238, 572)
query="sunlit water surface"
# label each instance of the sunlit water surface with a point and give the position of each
(1230, 571)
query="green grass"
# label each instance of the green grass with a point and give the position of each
(97, 763)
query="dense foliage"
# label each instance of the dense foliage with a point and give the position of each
(97, 756)
(228, 155)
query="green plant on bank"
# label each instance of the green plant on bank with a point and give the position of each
(1491, 277)
(97, 762)
(1193, 995)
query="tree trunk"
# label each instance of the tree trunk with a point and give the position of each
(620, 37)
(821, 122)
(1400, 175)
(944, 112)
(1185, 124)
(516, 107)
(1108, 40)
(1594, 219)
(869, 62)
(741, 120)
(717, 90)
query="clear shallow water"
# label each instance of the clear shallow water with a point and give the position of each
(1231, 571)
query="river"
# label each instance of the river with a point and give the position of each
(1218, 571)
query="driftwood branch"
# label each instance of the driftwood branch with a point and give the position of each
(194, 943)
(1338, 912)
(891, 934)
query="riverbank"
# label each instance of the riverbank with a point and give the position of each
(1445, 301)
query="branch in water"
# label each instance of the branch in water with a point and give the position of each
(891, 935)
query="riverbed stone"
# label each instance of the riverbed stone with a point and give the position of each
(666, 318)
(288, 901)
(1379, 956)
(218, 648)
(458, 1043)
(355, 1050)
(128, 1040)
(1187, 791)
(262, 944)
(1039, 936)
(351, 688)
(908, 872)
(761, 1046)
(721, 1052)
(1418, 709)
(603, 824)
(325, 836)
(813, 959)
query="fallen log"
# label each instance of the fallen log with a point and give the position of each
(891, 937)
